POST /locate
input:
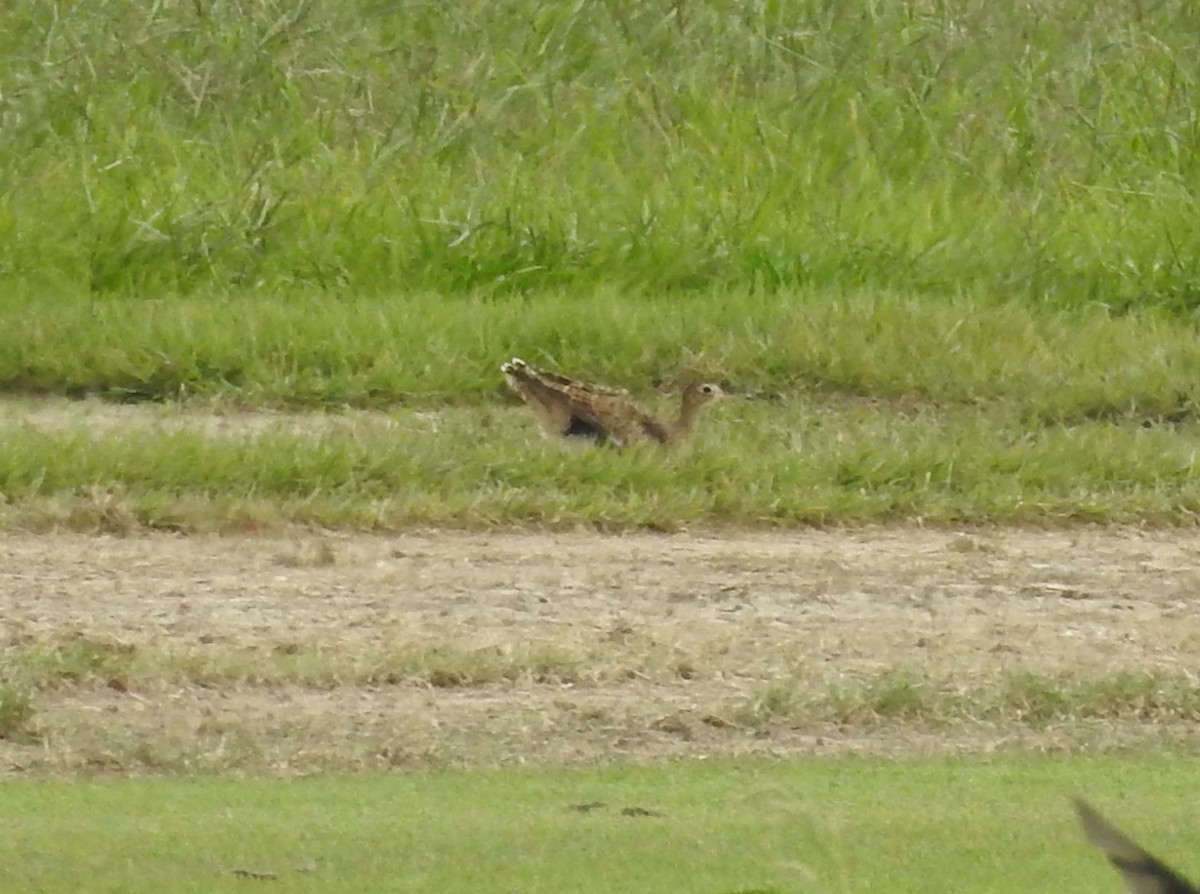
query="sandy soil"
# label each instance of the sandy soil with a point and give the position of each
(673, 636)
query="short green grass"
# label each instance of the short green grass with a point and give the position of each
(756, 462)
(819, 825)
(422, 350)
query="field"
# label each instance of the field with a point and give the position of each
(329, 652)
(288, 575)
(889, 666)
(845, 825)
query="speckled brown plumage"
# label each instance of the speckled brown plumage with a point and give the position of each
(569, 408)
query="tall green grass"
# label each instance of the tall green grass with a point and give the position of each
(845, 825)
(1038, 150)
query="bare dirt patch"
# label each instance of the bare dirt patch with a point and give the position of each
(667, 640)
(51, 415)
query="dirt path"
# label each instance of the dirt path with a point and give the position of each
(668, 640)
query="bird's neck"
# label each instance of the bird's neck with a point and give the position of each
(685, 423)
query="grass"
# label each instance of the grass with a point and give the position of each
(17, 713)
(1043, 151)
(821, 825)
(425, 351)
(1022, 698)
(87, 661)
(756, 463)
(943, 249)
(889, 696)
(971, 219)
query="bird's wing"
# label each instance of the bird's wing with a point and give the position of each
(565, 407)
(621, 418)
(558, 380)
(1144, 873)
(550, 409)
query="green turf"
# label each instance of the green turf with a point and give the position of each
(819, 825)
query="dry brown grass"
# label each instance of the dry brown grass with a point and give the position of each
(314, 651)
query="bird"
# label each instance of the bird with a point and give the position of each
(568, 408)
(1144, 873)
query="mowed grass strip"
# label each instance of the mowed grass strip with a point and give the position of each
(840, 825)
(754, 462)
(424, 351)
